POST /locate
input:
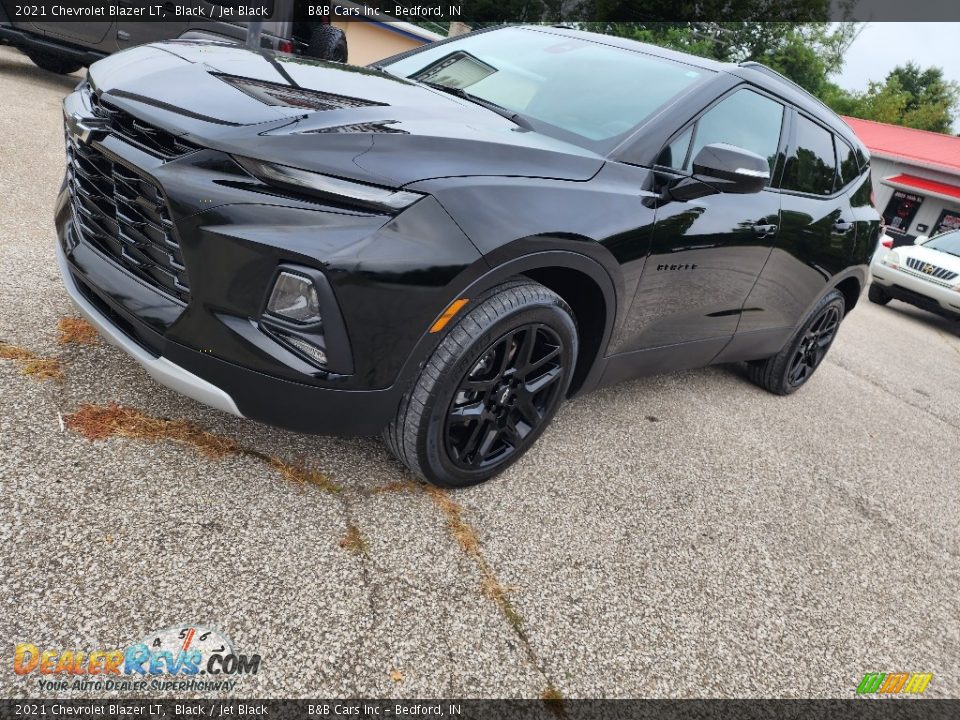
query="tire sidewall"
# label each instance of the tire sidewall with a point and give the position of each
(432, 437)
(834, 298)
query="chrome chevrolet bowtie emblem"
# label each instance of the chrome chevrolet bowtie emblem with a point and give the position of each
(81, 128)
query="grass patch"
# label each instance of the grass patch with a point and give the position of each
(553, 700)
(30, 363)
(353, 542)
(77, 331)
(99, 422)
(302, 475)
(462, 532)
(397, 486)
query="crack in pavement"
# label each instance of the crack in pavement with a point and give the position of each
(100, 422)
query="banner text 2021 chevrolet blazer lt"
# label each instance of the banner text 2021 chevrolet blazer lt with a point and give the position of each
(443, 247)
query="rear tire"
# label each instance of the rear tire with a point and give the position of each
(788, 370)
(52, 62)
(490, 388)
(877, 294)
(327, 43)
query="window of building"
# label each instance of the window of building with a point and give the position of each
(901, 210)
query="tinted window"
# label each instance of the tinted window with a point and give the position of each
(675, 154)
(848, 168)
(745, 119)
(812, 165)
(593, 94)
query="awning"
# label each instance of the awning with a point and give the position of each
(931, 188)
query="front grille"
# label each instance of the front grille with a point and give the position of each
(932, 270)
(125, 216)
(147, 137)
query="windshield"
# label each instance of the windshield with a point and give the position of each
(593, 94)
(948, 243)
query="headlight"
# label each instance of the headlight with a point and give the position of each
(891, 259)
(333, 188)
(294, 297)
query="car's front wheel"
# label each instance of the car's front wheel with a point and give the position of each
(789, 370)
(490, 388)
(877, 294)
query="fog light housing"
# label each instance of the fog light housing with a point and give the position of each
(294, 297)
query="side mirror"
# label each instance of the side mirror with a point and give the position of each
(719, 167)
(731, 169)
(920, 239)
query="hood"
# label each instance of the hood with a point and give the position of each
(936, 258)
(350, 121)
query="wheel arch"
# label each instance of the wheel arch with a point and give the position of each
(584, 284)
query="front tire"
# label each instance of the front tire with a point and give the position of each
(787, 371)
(877, 294)
(490, 388)
(52, 62)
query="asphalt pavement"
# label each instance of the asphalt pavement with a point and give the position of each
(680, 536)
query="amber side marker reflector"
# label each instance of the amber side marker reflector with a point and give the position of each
(448, 314)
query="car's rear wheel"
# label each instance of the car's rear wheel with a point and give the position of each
(792, 367)
(52, 62)
(490, 389)
(877, 294)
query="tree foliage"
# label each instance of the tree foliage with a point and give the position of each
(909, 96)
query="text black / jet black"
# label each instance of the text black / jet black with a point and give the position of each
(444, 247)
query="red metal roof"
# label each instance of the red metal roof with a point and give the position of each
(924, 185)
(919, 147)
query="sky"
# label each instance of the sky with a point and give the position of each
(881, 46)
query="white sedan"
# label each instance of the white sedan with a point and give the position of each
(925, 274)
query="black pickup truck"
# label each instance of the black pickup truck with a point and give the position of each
(64, 47)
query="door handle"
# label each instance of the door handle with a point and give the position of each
(842, 227)
(762, 230)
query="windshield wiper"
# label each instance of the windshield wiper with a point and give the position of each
(488, 104)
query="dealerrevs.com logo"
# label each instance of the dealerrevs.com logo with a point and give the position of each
(182, 658)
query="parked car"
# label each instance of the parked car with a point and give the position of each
(65, 47)
(925, 274)
(445, 246)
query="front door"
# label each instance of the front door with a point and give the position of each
(706, 254)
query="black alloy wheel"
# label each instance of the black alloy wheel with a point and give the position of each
(789, 369)
(814, 345)
(504, 397)
(491, 387)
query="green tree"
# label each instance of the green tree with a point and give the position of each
(909, 96)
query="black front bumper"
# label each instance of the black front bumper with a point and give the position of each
(204, 377)
(390, 277)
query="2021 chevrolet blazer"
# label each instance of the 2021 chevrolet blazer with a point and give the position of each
(443, 247)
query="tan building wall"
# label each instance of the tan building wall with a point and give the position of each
(371, 41)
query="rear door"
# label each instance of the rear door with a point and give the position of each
(818, 228)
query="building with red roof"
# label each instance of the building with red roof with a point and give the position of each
(916, 178)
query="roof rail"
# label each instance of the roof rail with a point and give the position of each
(760, 67)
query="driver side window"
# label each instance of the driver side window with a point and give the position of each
(745, 119)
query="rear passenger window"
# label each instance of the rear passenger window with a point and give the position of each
(812, 164)
(745, 119)
(846, 163)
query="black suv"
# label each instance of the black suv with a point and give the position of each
(445, 246)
